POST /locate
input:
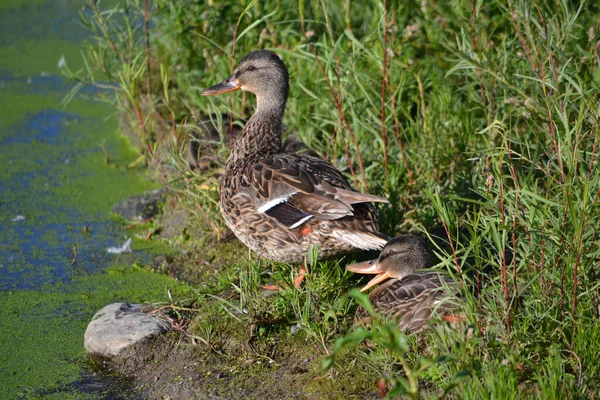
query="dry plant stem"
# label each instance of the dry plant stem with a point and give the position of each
(422, 97)
(92, 4)
(147, 33)
(554, 138)
(453, 249)
(514, 232)
(152, 232)
(335, 56)
(140, 118)
(400, 145)
(576, 277)
(550, 52)
(172, 307)
(594, 150)
(345, 144)
(579, 242)
(231, 68)
(504, 279)
(339, 87)
(548, 174)
(478, 281)
(383, 87)
(338, 105)
(538, 74)
(552, 64)
(593, 269)
(514, 244)
(174, 126)
(322, 339)
(522, 40)
(595, 296)
(528, 233)
(138, 113)
(473, 47)
(559, 258)
(542, 263)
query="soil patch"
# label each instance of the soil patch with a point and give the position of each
(178, 366)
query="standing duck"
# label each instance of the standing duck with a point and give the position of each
(280, 204)
(414, 296)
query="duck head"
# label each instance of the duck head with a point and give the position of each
(400, 257)
(262, 73)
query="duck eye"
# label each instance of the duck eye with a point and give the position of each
(251, 68)
(389, 253)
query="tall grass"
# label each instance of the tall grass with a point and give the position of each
(480, 117)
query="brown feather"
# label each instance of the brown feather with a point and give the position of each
(259, 176)
(413, 300)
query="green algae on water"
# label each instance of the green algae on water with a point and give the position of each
(41, 331)
(55, 174)
(16, 4)
(35, 58)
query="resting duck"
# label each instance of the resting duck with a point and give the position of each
(280, 204)
(414, 296)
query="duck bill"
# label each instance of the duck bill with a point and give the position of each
(382, 277)
(369, 267)
(228, 85)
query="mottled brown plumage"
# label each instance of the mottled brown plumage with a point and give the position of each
(280, 204)
(415, 296)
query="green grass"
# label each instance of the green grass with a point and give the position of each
(488, 126)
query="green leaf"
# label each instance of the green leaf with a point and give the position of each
(397, 390)
(358, 336)
(596, 75)
(252, 25)
(362, 300)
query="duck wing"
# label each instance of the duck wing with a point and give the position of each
(296, 188)
(412, 299)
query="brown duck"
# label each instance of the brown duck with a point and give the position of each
(414, 296)
(280, 204)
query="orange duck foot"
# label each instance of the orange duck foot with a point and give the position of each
(297, 281)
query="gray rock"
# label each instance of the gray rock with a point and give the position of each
(140, 207)
(120, 325)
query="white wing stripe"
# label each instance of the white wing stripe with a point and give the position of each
(272, 203)
(303, 220)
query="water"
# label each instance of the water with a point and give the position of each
(56, 196)
(39, 226)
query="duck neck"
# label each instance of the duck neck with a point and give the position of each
(262, 134)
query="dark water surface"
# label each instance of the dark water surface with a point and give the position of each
(56, 196)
